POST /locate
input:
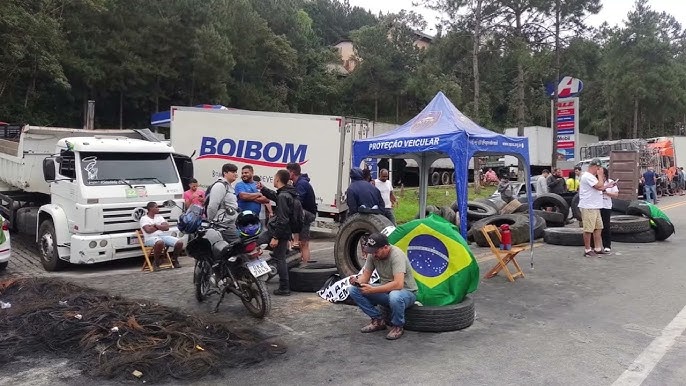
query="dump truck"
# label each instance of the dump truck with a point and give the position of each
(81, 192)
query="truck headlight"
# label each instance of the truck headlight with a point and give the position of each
(93, 244)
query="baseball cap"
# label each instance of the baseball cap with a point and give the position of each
(374, 242)
(595, 162)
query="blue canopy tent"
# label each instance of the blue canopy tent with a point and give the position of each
(440, 130)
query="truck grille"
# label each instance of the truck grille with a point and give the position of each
(119, 219)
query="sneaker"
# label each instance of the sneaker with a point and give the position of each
(607, 250)
(374, 325)
(590, 254)
(395, 333)
(281, 292)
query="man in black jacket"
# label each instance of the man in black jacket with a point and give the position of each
(279, 232)
(361, 192)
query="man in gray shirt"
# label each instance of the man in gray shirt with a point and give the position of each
(223, 203)
(398, 290)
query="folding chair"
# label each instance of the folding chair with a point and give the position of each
(148, 254)
(504, 257)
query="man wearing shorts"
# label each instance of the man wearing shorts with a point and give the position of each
(591, 187)
(155, 234)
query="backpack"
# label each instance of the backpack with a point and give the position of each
(296, 220)
(207, 195)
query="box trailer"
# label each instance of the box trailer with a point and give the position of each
(269, 141)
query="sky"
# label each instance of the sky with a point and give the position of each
(613, 11)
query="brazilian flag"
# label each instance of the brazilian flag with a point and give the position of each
(444, 268)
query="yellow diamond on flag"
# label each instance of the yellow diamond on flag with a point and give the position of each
(434, 256)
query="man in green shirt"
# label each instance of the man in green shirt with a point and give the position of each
(397, 290)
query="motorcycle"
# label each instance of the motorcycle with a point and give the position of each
(221, 267)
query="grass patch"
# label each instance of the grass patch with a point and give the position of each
(408, 199)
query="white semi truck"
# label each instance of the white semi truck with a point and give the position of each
(268, 141)
(81, 191)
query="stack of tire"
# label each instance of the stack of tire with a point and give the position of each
(417, 318)
(630, 222)
(447, 212)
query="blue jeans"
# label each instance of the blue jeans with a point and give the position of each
(648, 190)
(397, 301)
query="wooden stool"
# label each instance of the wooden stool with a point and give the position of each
(148, 254)
(504, 257)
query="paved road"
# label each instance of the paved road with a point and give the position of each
(572, 320)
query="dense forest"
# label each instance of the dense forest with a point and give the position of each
(493, 58)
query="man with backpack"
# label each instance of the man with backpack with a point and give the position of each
(221, 203)
(288, 219)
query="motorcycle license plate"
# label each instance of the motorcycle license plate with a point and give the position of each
(258, 267)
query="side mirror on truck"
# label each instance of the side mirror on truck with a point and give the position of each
(49, 169)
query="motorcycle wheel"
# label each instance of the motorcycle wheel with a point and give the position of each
(201, 279)
(255, 296)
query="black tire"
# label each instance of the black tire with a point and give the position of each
(256, 297)
(440, 319)
(479, 211)
(3, 266)
(663, 229)
(519, 228)
(492, 203)
(201, 280)
(47, 243)
(429, 209)
(448, 214)
(572, 237)
(347, 244)
(640, 237)
(310, 278)
(556, 201)
(435, 179)
(539, 226)
(638, 208)
(552, 219)
(620, 205)
(629, 224)
(445, 178)
(576, 212)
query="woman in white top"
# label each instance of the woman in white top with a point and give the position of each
(611, 191)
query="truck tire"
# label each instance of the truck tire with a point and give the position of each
(452, 317)
(445, 178)
(629, 224)
(3, 266)
(519, 228)
(448, 214)
(435, 179)
(638, 208)
(663, 229)
(492, 202)
(620, 205)
(452, 178)
(47, 244)
(640, 237)
(556, 201)
(572, 237)
(430, 209)
(479, 210)
(347, 244)
(310, 278)
(552, 219)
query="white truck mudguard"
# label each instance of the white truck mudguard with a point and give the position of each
(58, 217)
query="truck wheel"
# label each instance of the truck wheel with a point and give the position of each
(435, 179)
(479, 210)
(663, 229)
(556, 201)
(639, 237)
(347, 251)
(629, 224)
(445, 178)
(571, 237)
(47, 243)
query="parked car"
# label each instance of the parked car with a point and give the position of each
(5, 247)
(519, 189)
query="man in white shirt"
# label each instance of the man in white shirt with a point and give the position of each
(156, 234)
(386, 188)
(591, 190)
(542, 182)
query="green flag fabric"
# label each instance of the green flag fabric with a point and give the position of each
(443, 265)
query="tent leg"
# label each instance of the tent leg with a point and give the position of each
(423, 184)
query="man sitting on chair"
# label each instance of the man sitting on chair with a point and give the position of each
(155, 232)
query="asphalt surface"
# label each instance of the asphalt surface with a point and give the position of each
(571, 320)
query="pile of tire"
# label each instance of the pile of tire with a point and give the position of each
(447, 212)
(661, 227)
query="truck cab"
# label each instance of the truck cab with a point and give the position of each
(99, 187)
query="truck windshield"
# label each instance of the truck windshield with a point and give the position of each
(125, 168)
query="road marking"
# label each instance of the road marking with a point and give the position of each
(639, 370)
(672, 206)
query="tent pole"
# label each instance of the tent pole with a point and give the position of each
(423, 184)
